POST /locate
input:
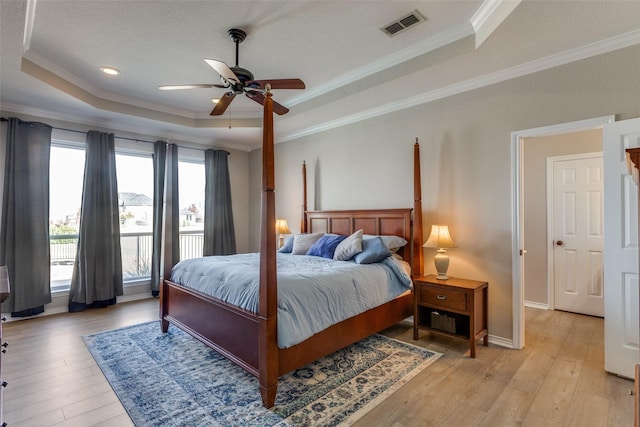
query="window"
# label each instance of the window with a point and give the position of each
(135, 200)
(191, 182)
(66, 174)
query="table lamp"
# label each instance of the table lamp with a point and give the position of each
(440, 239)
(281, 229)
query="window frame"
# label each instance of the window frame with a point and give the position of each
(77, 140)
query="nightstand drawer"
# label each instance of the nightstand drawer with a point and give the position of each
(446, 298)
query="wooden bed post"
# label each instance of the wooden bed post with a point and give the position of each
(418, 253)
(303, 216)
(267, 309)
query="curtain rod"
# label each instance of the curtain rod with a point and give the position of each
(3, 119)
(166, 140)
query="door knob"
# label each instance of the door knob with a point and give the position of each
(559, 243)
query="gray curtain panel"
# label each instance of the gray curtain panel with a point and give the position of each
(219, 233)
(173, 198)
(97, 273)
(159, 159)
(164, 167)
(24, 234)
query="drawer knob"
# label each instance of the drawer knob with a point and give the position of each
(442, 297)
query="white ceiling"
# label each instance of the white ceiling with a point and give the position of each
(51, 51)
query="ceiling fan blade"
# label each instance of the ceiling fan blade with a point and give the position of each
(277, 84)
(279, 109)
(223, 69)
(222, 104)
(192, 86)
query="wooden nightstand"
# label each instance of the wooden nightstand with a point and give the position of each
(454, 307)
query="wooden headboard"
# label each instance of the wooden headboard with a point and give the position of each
(390, 222)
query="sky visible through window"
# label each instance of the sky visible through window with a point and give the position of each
(65, 182)
(135, 175)
(191, 183)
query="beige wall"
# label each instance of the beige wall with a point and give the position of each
(466, 161)
(534, 230)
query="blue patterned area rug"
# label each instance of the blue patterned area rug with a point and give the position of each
(174, 380)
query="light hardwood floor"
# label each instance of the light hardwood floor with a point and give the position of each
(557, 380)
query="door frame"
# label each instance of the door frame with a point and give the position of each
(551, 294)
(517, 263)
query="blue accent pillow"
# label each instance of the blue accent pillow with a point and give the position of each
(325, 246)
(392, 242)
(373, 250)
(287, 247)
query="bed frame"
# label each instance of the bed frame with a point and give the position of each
(250, 339)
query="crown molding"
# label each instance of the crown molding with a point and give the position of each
(144, 132)
(489, 17)
(452, 35)
(552, 61)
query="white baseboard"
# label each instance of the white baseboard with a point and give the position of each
(493, 339)
(539, 305)
(58, 309)
(502, 342)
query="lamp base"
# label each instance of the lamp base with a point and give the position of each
(441, 260)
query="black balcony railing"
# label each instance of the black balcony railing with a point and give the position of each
(136, 249)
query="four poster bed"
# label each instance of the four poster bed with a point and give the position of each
(249, 338)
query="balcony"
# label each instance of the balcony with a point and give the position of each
(136, 251)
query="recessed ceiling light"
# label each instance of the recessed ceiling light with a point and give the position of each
(215, 100)
(110, 70)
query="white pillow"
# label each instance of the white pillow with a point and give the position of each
(302, 242)
(349, 247)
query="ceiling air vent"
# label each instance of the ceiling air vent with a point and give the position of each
(403, 23)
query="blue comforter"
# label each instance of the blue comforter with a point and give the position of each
(313, 292)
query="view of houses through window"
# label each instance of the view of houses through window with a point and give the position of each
(191, 194)
(66, 173)
(135, 200)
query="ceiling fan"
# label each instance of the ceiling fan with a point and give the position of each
(240, 80)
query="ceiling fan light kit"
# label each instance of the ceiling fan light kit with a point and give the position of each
(240, 80)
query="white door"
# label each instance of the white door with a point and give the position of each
(577, 233)
(621, 250)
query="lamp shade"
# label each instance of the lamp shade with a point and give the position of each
(439, 238)
(282, 227)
